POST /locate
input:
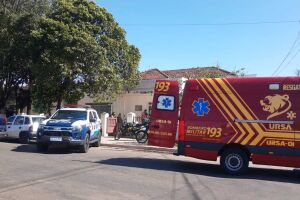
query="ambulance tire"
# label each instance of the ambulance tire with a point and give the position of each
(234, 161)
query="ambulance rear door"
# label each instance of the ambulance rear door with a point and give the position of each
(164, 114)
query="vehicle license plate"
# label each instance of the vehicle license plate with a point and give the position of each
(56, 139)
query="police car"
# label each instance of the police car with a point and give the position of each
(72, 126)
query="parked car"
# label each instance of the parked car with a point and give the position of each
(23, 127)
(2, 125)
(72, 127)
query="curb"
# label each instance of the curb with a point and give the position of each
(141, 148)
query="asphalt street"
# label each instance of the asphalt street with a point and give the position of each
(120, 173)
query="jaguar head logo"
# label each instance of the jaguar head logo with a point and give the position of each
(276, 104)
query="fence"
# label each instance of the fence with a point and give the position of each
(111, 125)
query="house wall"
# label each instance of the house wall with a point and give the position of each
(141, 97)
(127, 102)
(85, 100)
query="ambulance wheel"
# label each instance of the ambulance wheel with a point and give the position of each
(234, 161)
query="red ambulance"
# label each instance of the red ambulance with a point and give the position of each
(239, 119)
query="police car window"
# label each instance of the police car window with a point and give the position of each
(27, 120)
(70, 114)
(90, 116)
(165, 102)
(19, 120)
(95, 115)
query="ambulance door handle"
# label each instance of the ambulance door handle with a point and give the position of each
(155, 126)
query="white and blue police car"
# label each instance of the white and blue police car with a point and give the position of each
(71, 126)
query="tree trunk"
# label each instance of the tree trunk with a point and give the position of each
(17, 100)
(2, 102)
(59, 101)
(49, 112)
(29, 96)
(29, 108)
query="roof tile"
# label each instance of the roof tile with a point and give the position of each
(195, 72)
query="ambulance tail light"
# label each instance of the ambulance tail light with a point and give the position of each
(181, 130)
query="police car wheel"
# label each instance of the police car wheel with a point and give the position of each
(234, 161)
(98, 143)
(86, 145)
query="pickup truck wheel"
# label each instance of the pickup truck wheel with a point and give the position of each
(86, 145)
(24, 137)
(42, 147)
(234, 161)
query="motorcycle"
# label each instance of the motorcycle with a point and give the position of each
(137, 131)
(141, 134)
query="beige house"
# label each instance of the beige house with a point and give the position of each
(140, 98)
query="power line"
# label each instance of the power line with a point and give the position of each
(216, 24)
(293, 57)
(288, 54)
(297, 52)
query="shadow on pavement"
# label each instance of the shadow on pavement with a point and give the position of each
(14, 141)
(212, 170)
(10, 141)
(31, 148)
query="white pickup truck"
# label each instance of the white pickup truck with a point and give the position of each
(22, 127)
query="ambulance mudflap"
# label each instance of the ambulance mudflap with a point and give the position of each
(164, 116)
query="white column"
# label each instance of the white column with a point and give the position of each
(104, 117)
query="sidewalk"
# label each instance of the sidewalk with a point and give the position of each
(129, 143)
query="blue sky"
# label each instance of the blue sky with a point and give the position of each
(258, 48)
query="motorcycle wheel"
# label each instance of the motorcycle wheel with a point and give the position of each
(141, 136)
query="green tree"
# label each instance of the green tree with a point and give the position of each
(240, 72)
(17, 19)
(80, 49)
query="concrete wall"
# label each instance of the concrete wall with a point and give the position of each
(126, 103)
(85, 100)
